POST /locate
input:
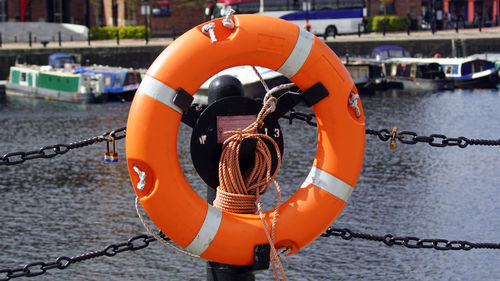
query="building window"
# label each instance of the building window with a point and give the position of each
(387, 7)
(161, 8)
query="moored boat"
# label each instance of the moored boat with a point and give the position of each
(119, 84)
(415, 74)
(51, 84)
(368, 77)
(466, 72)
(470, 72)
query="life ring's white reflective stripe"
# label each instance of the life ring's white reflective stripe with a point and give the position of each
(207, 231)
(328, 183)
(298, 55)
(159, 91)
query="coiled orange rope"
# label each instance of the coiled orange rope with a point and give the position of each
(238, 193)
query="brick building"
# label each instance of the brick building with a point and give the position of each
(166, 17)
(163, 18)
(57, 11)
(468, 10)
(394, 7)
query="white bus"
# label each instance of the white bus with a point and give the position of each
(325, 17)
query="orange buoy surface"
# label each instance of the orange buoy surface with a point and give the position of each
(156, 112)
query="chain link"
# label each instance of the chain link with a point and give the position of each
(410, 241)
(38, 268)
(51, 151)
(142, 241)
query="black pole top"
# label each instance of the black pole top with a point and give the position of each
(224, 86)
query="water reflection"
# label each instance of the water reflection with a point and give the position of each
(76, 203)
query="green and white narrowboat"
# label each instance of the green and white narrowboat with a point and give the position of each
(44, 82)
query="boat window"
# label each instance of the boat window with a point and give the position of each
(488, 64)
(107, 80)
(355, 73)
(466, 68)
(364, 73)
(396, 53)
(132, 78)
(394, 69)
(477, 66)
(23, 76)
(413, 71)
(118, 80)
(448, 69)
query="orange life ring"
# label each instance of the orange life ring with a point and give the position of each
(437, 56)
(151, 144)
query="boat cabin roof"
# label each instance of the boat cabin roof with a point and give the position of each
(389, 51)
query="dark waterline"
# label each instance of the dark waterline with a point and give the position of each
(76, 203)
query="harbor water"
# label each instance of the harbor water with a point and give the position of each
(76, 203)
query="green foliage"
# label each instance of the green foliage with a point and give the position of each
(393, 23)
(126, 32)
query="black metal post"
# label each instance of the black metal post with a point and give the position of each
(29, 38)
(146, 10)
(218, 271)
(88, 37)
(408, 29)
(87, 13)
(117, 37)
(0, 39)
(456, 26)
(480, 23)
(174, 35)
(59, 38)
(383, 27)
(359, 29)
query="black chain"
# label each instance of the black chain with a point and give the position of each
(306, 117)
(406, 137)
(436, 140)
(410, 241)
(50, 151)
(38, 268)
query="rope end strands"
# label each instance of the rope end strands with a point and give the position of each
(209, 29)
(228, 22)
(239, 193)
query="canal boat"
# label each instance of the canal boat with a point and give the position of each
(367, 76)
(415, 74)
(468, 72)
(120, 84)
(44, 82)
